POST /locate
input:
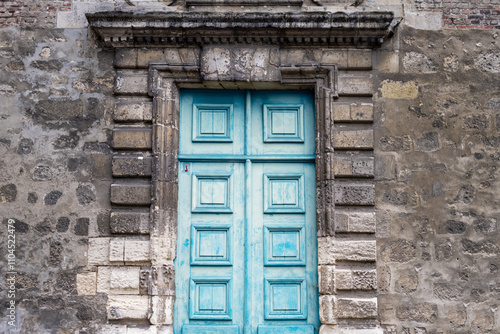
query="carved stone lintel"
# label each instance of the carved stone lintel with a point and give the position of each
(303, 29)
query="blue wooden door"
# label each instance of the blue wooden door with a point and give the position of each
(247, 250)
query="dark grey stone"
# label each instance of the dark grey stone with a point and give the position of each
(65, 142)
(42, 173)
(82, 226)
(452, 227)
(25, 146)
(85, 195)
(8, 193)
(44, 227)
(427, 142)
(32, 198)
(62, 224)
(55, 253)
(395, 197)
(52, 197)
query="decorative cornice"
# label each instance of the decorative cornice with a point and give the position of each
(127, 29)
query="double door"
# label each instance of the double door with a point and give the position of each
(247, 251)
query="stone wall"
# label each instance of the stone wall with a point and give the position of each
(437, 156)
(71, 110)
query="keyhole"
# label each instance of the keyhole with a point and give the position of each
(186, 168)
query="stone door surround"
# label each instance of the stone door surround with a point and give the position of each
(156, 55)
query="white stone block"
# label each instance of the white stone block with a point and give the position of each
(127, 307)
(124, 280)
(86, 283)
(137, 250)
(116, 249)
(162, 310)
(162, 251)
(98, 253)
(103, 276)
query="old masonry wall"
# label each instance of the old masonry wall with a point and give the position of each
(85, 267)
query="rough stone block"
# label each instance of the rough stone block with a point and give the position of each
(162, 310)
(417, 312)
(343, 279)
(86, 283)
(328, 329)
(124, 280)
(348, 308)
(116, 246)
(386, 62)
(98, 253)
(353, 166)
(124, 222)
(147, 56)
(342, 166)
(126, 58)
(360, 222)
(136, 84)
(354, 194)
(327, 309)
(359, 59)
(133, 111)
(355, 86)
(130, 194)
(342, 112)
(326, 280)
(132, 138)
(112, 329)
(331, 249)
(334, 57)
(359, 139)
(162, 281)
(103, 276)
(127, 307)
(131, 166)
(136, 250)
(163, 250)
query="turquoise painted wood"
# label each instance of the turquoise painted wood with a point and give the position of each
(247, 249)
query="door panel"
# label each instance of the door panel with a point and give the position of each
(247, 249)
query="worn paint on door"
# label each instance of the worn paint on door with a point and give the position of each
(247, 248)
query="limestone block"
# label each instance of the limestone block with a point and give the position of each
(130, 194)
(342, 112)
(331, 249)
(116, 248)
(124, 280)
(328, 329)
(131, 84)
(165, 329)
(126, 58)
(162, 310)
(86, 283)
(343, 279)
(356, 308)
(355, 86)
(112, 329)
(358, 139)
(386, 62)
(359, 59)
(342, 166)
(361, 222)
(363, 166)
(136, 250)
(162, 281)
(127, 307)
(327, 309)
(131, 166)
(129, 222)
(133, 111)
(334, 57)
(103, 279)
(98, 253)
(354, 194)
(132, 138)
(326, 280)
(163, 250)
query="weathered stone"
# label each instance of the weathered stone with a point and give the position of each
(52, 197)
(124, 280)
(488, 62)
(326, 280)
(131, 166)
(481, 247)
(364, 279)
(362, 222)
(484, 225)
(116, 249)
(132, 138)
(86, 283)
(419, 312)
(32, 198)
(447, 291)
(360, 139)
(162, 310)
(415, 62)
(327, 309)
(82, 226)
(98, 251)
(8, 193)
(162, 281)
(131, 194)
(354, 194)
(127, 307)
(25, 146)
(133, 111)
(483, 322)
(163, 250)
(62, 224)
(85, 194)
(356, 308)
(395, 144)
(332, 249)
(66, 141)
(427, 142)
(399, 90)
(452, 227)
(457, 315)
(355, 86)
(129, 222)
(136, 250)
(130, 84)
(399, 250)
(406, 282)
